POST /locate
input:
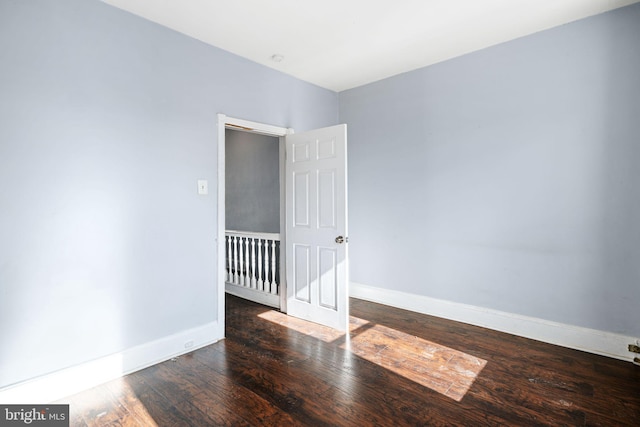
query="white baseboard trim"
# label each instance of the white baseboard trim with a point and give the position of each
(575, 337)
(66, 382)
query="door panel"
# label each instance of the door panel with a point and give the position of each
(327, 262)
(326, 199)
(301, 275)
(316, 214)
(301, 199)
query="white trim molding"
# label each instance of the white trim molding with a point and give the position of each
(224, 122)
(69, 381)
(570, 336)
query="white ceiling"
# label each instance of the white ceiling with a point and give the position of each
(341, 44)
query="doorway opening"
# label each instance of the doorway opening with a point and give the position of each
(251, 224)
(252, 212)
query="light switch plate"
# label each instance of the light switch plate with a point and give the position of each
(203, 186)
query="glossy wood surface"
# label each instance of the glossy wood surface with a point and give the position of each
(395, 368)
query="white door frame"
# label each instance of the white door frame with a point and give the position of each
(224, 123)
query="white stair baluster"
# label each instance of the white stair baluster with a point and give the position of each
(253, 263)
(247, 280)
(266, 264)
(274, 285)
(228, 258)
(260, 281)
(235, 260)
(241, 260)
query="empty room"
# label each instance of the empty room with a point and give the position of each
(319, 213)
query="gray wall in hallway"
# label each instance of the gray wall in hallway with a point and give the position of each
(252, 182)
(507, 178)
(107, 121)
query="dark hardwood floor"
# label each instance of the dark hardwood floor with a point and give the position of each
(397, 368)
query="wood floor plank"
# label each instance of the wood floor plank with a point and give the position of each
(527, 414)
(552, 370)
(394, 368)
(165, 411)
(99, 407)
(75, 416)
(323, 363)
(233, 403)
(347, 392)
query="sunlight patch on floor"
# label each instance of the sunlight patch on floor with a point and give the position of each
(114, 403)
(442, 369)
(315, 330)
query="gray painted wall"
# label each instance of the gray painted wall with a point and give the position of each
(507, 178)
(106, 123)
(252, 168)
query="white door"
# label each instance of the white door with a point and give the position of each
(316, 226)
